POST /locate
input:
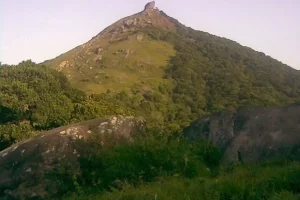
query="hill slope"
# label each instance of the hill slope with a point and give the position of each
(170, 73)
(122, 54)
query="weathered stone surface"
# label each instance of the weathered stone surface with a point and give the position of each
(139, 37)
(98, 58)
(24, 165)
(252, 135)
(62, 65)
(149, 17)
(98, 50)
(128, 22)
(149, 6)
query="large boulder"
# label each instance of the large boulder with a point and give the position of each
(149, 6)
(24, 166)
(252, 135)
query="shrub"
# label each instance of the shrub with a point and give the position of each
(150, 156)
(256, 182)
(13, 133)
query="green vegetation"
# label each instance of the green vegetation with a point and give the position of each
(126, 61)
(170, 78)
(174, 77)
(164, 166)
(226, 187)
(151, 155)
(209, 74)
(35, 98)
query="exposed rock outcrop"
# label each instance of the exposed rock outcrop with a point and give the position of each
(139, 37)
(252, 135)
(149, 6)
(23, 166)
(62, 65)
(149, 17)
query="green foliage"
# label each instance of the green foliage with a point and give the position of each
(213, 74)
(286, 195)
(34, 93)
(52, 111)
(259, 182)
(158, 164)
(98, 106)
(34, 97)
(206, 75)
(243, 183)
(150, 156)
(164, 166)
(12, 133)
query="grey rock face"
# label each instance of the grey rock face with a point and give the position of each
(149, 6)
(252, 135)
(24, 165)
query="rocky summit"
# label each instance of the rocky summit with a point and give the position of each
(149, 6)
(123, 46)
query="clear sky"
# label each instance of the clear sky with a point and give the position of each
(43, 29)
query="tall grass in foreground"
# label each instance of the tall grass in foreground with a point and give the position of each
(156, 166)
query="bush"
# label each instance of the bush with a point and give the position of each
(258, 181)
(13, 133)
(244, 183)
(150, 156)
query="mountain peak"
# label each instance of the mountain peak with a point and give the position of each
(149, 6)
(149, 17)
(126, 38)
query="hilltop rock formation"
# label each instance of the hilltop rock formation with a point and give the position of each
(149, 6)
(23, 166)
(252, 135)
(87, 57)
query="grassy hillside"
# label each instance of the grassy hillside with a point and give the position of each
(121, 55)
(174, 75)
(125, 63)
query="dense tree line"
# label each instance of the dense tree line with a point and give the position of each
(35, 98)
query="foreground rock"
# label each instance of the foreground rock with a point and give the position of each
(252, 135)
(23, 166)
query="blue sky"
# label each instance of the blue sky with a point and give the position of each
(43, 29)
